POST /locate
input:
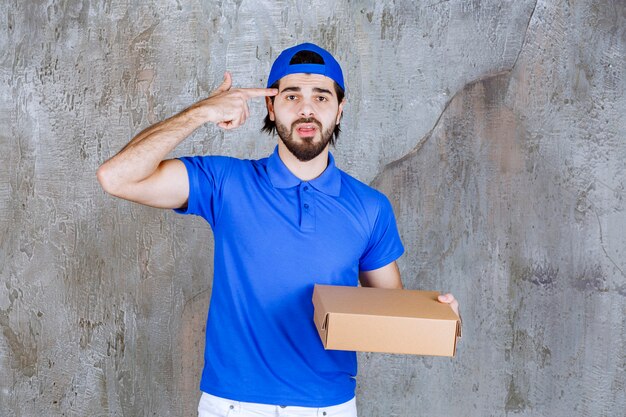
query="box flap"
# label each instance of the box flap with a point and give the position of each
(320, 316)
(383, 302)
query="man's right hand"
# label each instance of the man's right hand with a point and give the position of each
(227, 107)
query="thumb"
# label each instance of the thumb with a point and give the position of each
(444, 298)
(226, 84)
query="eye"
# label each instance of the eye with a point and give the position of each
(322, 98)
(290, 97)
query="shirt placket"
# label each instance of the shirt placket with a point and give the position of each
(307, 207)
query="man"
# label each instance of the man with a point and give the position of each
(281, 224)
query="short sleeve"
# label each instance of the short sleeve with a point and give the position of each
(385, 245)
(207, 177)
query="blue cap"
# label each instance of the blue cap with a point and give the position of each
(281, 67)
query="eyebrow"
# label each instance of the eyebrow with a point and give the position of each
(315, 89)
(322, 90)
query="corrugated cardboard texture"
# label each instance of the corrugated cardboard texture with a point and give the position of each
(384, 320)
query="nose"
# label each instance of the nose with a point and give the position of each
(306, 108)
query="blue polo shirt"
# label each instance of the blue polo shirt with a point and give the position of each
(275, 237)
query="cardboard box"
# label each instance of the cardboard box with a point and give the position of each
(385, 320)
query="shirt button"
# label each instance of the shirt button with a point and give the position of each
(306, 188)
(232, 406)
(283, 406)
(306, 206)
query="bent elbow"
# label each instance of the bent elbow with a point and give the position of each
(105, 178)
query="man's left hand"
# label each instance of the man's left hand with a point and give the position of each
(449, 299)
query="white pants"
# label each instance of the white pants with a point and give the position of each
(212, 406)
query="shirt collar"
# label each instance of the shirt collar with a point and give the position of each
(280, 176)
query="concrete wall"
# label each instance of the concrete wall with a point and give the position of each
(496, 128)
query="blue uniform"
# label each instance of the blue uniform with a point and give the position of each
(275, 237)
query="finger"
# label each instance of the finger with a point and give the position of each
(241, 114)
(227, 125)
(259, 92)
(226, 84)
(242, 118)
(232, 124)
(455, 307)
(451, 301)
(446, 298)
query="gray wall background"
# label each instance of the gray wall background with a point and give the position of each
(496, 128)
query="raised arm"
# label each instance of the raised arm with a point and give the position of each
(140, 173)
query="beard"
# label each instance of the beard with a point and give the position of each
(306, 148)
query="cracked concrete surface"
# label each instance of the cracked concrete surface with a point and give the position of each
(496, 129)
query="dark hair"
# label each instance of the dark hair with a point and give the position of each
(304, 57)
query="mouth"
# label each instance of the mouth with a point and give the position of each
(307, 128)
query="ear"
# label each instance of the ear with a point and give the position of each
(340, 111)
(270, 108)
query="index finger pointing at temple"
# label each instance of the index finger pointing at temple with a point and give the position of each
(259, 92)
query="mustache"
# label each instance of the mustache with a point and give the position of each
(307, 120)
